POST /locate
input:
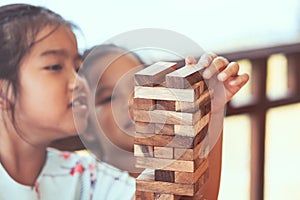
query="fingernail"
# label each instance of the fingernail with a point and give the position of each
(222, 76)
(204, 63)
(206, 74)
(188, 61)
(233, 83)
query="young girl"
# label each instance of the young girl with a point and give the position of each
(42, 98)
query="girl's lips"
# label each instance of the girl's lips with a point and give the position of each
(79, 105)
(79, 100)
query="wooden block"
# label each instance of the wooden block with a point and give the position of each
(166, 164)
(172, 164)
(192, 198)
(200, 136)
(191, 154)
(198, 194)
(152, 140)
(204, 178)
(203, 152)
(145, 182)
(143, 150)
(164, 176)
(164, 129)
(191, 177)
(141, 195)
(154, 74)
(144, 127)
(163, 152)
(164, 140)
(198, 162)
(184, 77)
(207, 108)
(165, 105)
(158, 196)
(162, 93)
(192, 130)
(167, 117)
(193, 106)
(198, 88)
(143, 104)
(184, 154)
(198, 154)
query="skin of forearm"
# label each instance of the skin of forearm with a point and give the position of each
(210, 190)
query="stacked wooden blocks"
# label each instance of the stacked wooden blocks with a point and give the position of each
(172, 111)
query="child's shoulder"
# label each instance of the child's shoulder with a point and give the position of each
(85, 159)
(68, 157)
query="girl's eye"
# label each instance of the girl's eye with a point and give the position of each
(105, 100)
(54, 67)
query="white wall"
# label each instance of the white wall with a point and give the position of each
(216, 25)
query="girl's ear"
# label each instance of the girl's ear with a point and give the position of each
(5, 95)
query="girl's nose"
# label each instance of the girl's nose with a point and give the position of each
(76, 82)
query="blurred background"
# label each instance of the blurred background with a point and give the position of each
(262, 131)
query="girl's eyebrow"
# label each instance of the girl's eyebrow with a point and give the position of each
(60, 52)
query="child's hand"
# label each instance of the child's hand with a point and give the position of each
(226, 72)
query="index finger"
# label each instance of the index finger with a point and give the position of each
(217, 65)
(207, 58)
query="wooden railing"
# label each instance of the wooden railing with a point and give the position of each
(260, 103)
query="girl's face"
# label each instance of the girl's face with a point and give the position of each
(50, 90)
(113, 99)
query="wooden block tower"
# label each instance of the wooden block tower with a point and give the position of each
(172, 111)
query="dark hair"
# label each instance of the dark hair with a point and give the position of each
(19, 26)
(99, 52)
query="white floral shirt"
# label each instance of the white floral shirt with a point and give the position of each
(71, 176)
